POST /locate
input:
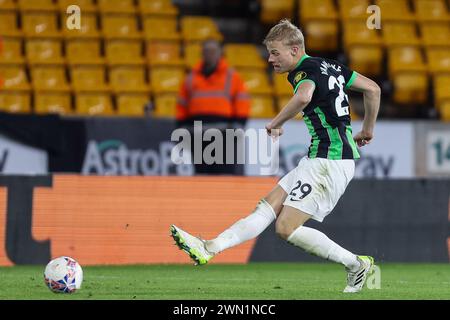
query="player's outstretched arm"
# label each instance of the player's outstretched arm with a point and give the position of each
(295, 105)
(372, 93)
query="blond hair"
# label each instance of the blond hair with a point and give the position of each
(286, 32)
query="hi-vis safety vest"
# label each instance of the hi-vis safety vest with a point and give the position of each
(222, 94)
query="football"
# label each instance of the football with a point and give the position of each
(63, 275)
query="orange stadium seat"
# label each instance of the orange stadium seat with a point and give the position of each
(165, 105)
(262, 106)
(161, 52)
(93, 103)
(44, 51)
(15, 101)
(400, 33)
(39, 5)
(121, 51)
(435, 34)
(132, 104)
(353, 9)
(40, 24)
(166, 80)
(49, 78)
(8, 5)
(8, 24)
(52, 102)
(120, 26)
(273, 11)
(256, 81)
(116, 6)
(244, 56)
(395, 10)
(198, 28)
(83, 51)
(438, 60)
(128, 79)
(192, 54)
(89, 78)
(14, 77)
(85, 5)
(157, 7)
(160, 28)
(431, 11)
(88, 26)
(11, 52)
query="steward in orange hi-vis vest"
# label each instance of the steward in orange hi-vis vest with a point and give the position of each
(218, 96)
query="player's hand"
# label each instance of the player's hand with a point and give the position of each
(273, 132)
(363, 138)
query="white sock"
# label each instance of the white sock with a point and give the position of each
(244, 229)
(317, 243)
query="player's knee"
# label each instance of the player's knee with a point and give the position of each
(283, 229)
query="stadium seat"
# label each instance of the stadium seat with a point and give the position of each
(128, 79)
(8, 24)
(317, 10)
(14, 77)
(15, 101)
(199, 28)
(431, 11)
(244, 56)
(49, 78)
(85, 5)
(438, 60)
(165, 105)
(88, 78)
(441, 88)
(160, 28)
(116, 6)
(273, 11)
(366, 59)
(261, 106)
(281, 85)
(256, 81)
(52, 102)
(407, 58)
(321, 35)
(8, 5)
(444, 111)
(161, 52)
(93, 104)
(36, 5)
(192, 54)
(400, 33)
(11, 51)
(353, 9)
(157, 7)
(357, 33)
(126, 52)
(44, 51)
(166, 80)
(120, 26)
(40, 24)
(83, 51)
(132, 104)
(435, 34)
(395, 10)
(88, 27)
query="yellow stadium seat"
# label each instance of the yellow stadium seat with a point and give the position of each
(244, 56)
(281, 85)
(157, 7)
(321, 35)
(132, 104)
(438, 60)
(84, 51)
(441, 88)
(400, 33)
(128, 79)
(256, 81)
(8, 24)
(14, 77)
(40, 24)
(199, 28)
(161, 52)
(409, 59)
(166, 79)
(44, 51)
(273, 11)
(121, 51)
(317, 10)
(192, 54)
(120, 26)
(410, 88)
(49, 78)
(52, 102)
(435, 34)
(93, 104)
(444, 110)
(366, 59)
(33, 5)
(88, 78)
(116, 6)
(262, 106)
(160, 28)
(165, 105)
(353, 9)
(431, 11)
(8, 5)
(85, 5)
(11, 51)
(357, 33)
(88, 26)
(395, 10)
(15, 101)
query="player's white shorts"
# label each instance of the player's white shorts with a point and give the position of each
(316, 185)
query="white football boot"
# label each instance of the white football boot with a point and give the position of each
(356, 280)
(193, 246)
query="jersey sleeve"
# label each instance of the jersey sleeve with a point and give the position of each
(349, 76)
(307, 72)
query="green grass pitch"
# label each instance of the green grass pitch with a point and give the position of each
(262, 281)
